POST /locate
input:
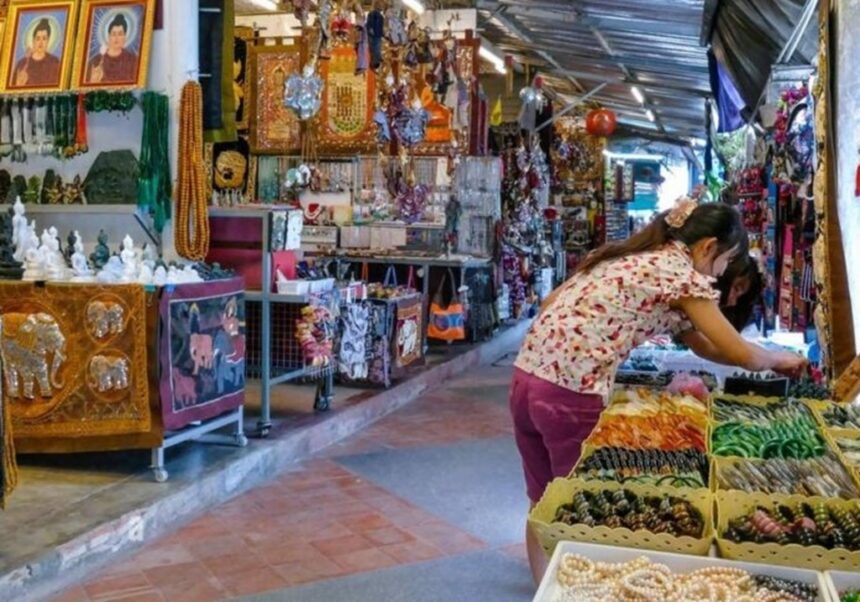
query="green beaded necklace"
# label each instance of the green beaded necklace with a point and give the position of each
(154, 185)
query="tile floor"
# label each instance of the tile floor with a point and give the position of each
(433, 489)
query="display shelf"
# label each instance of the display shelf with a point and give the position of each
(551, 590)
(32, 208)
(266, 300)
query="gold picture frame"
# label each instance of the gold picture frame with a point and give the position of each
(113, 43)
(37, 49)
(275, 129)
(243, 36)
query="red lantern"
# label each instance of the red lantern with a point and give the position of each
(601, 122)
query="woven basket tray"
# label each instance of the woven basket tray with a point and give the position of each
(561, 491)
(735, 504)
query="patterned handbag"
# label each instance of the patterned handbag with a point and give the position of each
(447, 322)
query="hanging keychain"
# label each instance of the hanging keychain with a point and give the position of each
(5, 129)
(17, 133)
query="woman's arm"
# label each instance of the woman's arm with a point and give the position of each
(720, 342)
(703, 347)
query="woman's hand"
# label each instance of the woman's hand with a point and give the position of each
(788, 364)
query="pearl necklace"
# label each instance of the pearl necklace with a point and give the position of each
(641, 580)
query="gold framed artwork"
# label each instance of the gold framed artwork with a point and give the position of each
(275, 130)
(37, 45)
(243, 40)
(112, 44)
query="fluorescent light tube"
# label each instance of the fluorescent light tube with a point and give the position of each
(488, 55)
(265, 4)
(414, 5)
(650, 114)
(637, 94)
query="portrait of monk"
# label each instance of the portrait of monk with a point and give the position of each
(115, 63)
(38, 68)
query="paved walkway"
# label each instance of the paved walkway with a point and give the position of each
(426, 505)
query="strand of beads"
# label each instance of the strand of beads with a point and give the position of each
(192, 219)
(642, 580)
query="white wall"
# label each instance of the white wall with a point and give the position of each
(847, 129)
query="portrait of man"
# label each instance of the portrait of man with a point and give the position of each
(38, 48)
(112, 45)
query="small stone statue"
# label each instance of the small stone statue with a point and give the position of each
(10, 268)
(80, 266)
(113, 272)
(19, 224)
(53, 262)
(129, 256)
(159, 277)
(150, 254)
(101, 255)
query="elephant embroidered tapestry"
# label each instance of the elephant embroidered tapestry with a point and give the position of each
(74, 359)
(202, 351)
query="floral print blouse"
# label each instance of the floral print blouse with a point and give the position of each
(598, 318)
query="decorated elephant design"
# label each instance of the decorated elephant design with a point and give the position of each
(202, 352)
(184, 389)
(104, 318)
(108, 374)
(29, 340)
(229, 360)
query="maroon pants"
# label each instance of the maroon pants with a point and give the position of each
(550, 425)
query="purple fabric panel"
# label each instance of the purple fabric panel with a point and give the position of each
(179, 417)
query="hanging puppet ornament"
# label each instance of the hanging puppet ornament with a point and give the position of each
(410, 124)
(301, 9)
(375, 26)
(303, 93)
(533, 102)
(411, 200)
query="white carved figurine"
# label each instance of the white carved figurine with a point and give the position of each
(129, 256)
(53, 262)
(159, 277)
(19, 227)
(80, 265)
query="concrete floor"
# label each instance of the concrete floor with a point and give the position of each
(427, 504)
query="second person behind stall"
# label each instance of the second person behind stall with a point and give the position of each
(622, 295)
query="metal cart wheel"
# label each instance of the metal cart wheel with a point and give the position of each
(241, 440)
(160, 474)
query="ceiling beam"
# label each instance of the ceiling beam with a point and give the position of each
(709, 19)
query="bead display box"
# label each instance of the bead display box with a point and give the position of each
(551, 589)
(775, 486)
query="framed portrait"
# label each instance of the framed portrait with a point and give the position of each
(243, 39)
(275, 129)
(37, 45)
(112, 44)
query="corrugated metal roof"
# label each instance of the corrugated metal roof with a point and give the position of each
(655, 46)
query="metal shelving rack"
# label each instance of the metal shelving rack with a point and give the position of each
(266, 299)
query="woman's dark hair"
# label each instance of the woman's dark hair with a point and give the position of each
(43, 25)
(716, 220)
(119, 21)
(741, 313)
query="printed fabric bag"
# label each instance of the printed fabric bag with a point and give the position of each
(447, 322)
(407, 342)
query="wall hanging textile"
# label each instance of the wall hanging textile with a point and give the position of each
(192, 217)
(346, 116)
(726, 95)
(154, 183)
(8, 466)
(202, 351)
(275, 129)
(216, 63)
(353, 344)
(447, 320)
(243, 39)
(74, 359)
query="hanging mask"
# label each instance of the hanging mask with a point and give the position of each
(303, 93)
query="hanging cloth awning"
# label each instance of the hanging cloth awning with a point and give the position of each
(727, 98)
(748, 36)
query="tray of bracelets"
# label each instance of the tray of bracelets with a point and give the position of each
(825, 476)
(843, 586)
(656, 467)
(635, 516)
(611, 574)
(796, 531)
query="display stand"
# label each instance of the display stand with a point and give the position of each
(202, 432)
(260, 222)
